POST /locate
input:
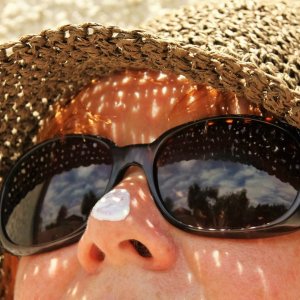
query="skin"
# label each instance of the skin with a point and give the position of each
(104, 265)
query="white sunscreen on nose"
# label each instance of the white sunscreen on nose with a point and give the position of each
(113, 206)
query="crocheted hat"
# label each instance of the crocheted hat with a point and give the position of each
(249, 48)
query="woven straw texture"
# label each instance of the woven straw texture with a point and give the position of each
(246, 47)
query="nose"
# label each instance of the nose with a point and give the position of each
(140, 236)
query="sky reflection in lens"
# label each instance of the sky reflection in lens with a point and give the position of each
(69, 188)
(223, 194)
(59, 205)
(228, 177)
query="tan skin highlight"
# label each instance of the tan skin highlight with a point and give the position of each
(101, 105)
(134, 107)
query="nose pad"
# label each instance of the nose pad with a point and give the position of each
(127, 228)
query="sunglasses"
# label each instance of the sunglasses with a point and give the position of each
(227, 176)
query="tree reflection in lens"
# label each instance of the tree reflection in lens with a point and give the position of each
(207, 209)
(66, 223)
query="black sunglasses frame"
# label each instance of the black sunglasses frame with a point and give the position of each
(144, 156)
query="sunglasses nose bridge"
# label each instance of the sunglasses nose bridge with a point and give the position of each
(133, 155)
(137, 155)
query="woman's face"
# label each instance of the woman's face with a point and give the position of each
(137, 107)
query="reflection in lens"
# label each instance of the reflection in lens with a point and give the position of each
(228, 175)
(55, 189)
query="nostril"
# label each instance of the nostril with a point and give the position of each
(96, 254)
(140, 248)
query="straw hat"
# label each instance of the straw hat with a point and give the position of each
(247, 47)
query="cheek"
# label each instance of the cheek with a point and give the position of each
(46, 276)
(245, 269)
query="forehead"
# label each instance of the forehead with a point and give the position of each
(137, 106)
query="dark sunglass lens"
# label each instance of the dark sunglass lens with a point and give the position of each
(229, 173)
(53, 189)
